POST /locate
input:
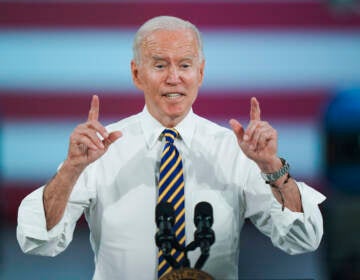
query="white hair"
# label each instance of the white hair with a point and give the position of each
(166, 23)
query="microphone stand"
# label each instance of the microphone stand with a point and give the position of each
(203, 240)
(166, 242)
(204, 237)
(205, 251)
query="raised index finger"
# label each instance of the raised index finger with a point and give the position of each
(94, 109)
(255, 110)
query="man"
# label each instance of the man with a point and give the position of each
(112, 174)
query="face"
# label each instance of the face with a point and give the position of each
(169, 73)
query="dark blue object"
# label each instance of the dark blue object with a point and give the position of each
(342, 141)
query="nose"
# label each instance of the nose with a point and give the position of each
(173, 77)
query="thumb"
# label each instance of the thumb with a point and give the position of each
(113, 136)
(238, 129)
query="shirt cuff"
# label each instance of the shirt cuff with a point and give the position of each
(31, 218)
(310, 199)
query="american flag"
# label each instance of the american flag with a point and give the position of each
(292, 55)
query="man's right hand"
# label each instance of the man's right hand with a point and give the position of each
(85, 144)
(85, 147)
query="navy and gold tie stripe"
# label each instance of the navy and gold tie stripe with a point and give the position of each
(171, 189)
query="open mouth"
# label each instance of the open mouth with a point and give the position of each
(173, 95)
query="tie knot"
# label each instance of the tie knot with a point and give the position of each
(170, 134)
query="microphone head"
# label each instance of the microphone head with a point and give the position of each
(203, 210)
(164, 211)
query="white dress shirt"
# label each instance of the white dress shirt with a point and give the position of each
(118, 194)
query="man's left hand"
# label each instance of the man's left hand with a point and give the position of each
(259, 140)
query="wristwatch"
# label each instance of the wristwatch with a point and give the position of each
(272, 177)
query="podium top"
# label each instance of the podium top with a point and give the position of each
(187, 274)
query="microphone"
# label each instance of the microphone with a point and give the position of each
(204, 235)
(203, 217)
(165, 238)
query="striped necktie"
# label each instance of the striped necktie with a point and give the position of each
(171, 189)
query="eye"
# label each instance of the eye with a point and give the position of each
(185, 65)
(159, 66)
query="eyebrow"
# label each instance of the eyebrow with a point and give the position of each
(156, 58)
(159, 58)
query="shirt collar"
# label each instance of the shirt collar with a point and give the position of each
(153, 128)
(186, 128)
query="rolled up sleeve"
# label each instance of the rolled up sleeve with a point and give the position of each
(295, 232)
(32, 234)
(292, 232)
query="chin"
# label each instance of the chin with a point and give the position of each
(175, 114)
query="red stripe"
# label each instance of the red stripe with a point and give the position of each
(206, 14)
(12, 194)
(289, 105)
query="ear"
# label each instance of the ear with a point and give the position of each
(201, 72)
(135, 75)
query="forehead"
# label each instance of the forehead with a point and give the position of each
(170, 43)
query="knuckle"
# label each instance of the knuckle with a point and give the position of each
(263, 124)
(78, 128)
(90, 123)
(72, 138)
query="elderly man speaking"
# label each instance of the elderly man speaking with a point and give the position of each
(116, 175)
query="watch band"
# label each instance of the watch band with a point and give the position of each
(272, 177)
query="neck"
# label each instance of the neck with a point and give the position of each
(168, 121)
(171, 122)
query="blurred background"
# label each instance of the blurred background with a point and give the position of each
(301, 59)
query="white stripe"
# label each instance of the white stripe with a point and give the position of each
(32, 151)
(93, 60)
(281, 59)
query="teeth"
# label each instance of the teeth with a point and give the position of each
(173, 95)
